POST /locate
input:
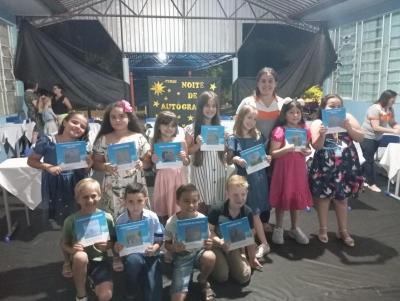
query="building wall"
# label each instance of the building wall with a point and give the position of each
(368, 57)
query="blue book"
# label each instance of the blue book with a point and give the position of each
(192, 232)
(71, 155)
(90, 229)
(255, 158)
(134, 236)
(297, 137)
(167, 154)
(213, 138)
(333, 119)
(122, 155)
(237, 233)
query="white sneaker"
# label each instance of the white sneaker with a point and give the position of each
(277, 236)
(262, 250)
(299, 236)
(82, 299)
(374, 188)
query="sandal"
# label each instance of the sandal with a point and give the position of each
(117, 264)
(346, 238)
(66, 270)
(323, 235)
(207, 291)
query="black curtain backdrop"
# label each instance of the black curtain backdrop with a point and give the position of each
(40, 59)
(301, 59)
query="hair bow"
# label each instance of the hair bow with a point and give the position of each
(286, 100)
(126, 106)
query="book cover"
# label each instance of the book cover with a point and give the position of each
(167, 154)
(91, 229)
(213, 138)
(255, 158)
(237, 233)
(297, 137)
(71, 155)
(192, 232)
(333, 119)
(134, 236)
(122, 155)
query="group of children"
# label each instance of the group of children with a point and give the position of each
(124, 196)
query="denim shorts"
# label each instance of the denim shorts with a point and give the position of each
(98, 272)
(183, 265)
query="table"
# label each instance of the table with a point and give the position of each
(391, 162)
(22, 181)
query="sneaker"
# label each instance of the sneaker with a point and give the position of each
(299, 236)
(365, 184)
(277, 236)
(81, 298)
(374, 188)
(262, 250)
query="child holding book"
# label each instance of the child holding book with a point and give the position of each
(335, 173)
(234, 262)
(246, 135)
(167, 180)
(120, 125)
(88, 262)
(57, 184)
(207, 169)
(289, 185)
(142, 269)
(184, 261)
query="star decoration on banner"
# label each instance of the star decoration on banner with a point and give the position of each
(165, 98)
(158, 88)
(213, 86)
(178, 93)
(190, 117)
(169, 90)
(179, 116)
(156, 103)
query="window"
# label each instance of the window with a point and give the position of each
(8, 103)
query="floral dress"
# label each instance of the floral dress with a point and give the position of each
(113, 187)
(335, 170)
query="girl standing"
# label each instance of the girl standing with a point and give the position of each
(289, 185)
(335, 172)
(58, 185)
(120, 125)
(167, 180)
(245, 136)
(49, 118)
(207, 171)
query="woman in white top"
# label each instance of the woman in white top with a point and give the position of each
(378, 120)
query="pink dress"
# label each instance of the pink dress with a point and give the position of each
(166, 183)
(289, 188)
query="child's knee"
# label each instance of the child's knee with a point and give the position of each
(104, 291)
(208, 258)
(79, 259)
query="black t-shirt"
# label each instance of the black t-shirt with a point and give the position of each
(220, 214)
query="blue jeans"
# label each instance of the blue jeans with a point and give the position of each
(143, 271)
(369, 148)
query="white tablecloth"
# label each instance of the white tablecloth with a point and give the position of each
(22, 181)
(391, 159)
(14, 131)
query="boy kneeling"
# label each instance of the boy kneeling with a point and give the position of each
(234, 262)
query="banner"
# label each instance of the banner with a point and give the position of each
(178, 95)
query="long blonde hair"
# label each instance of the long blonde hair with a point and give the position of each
(238, 126)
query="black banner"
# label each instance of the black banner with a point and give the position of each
(179, 95)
